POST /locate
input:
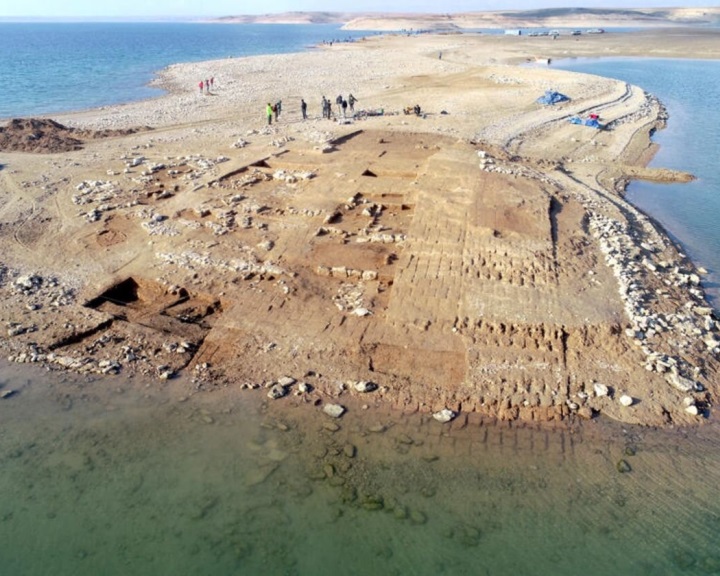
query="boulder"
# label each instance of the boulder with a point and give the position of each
(334, 410)
(600, 389)
(682, 384)
(277, 391)
(445, 415)
(363, 386)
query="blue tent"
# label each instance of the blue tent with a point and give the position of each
(552, 97)
(591, 122)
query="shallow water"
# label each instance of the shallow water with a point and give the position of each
(94, 480)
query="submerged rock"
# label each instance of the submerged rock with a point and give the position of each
(418, 517)
(373, 503)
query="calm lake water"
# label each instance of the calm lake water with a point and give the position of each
(94, 480)
(56, 67)
(690, 89)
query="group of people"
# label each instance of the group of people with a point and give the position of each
(272, 111)
(205, 85)
(341, 103)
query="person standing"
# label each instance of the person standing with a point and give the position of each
(269, 112)
(303, 108)
(201, 86)
(278, 109)
(351, 102)
(344, 105)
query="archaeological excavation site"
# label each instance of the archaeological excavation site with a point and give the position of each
(423, 272)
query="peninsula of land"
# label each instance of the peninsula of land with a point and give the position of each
(475, 257)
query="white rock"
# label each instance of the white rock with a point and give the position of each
(682, 384)
(364, 386)
(334, 410)
(626, 400)
(28, 282)
(361, 312)
(286, 381)
(444, 415)
(600, 389)
(692, 410)
(689, 401)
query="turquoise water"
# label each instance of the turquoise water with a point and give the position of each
(55, 67)
(690, 89)
(96, 478)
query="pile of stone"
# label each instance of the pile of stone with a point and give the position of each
(350, 298)
(158, 225)
(293, 177)
(344, 272)
(247, 268)
(382, 238)
(650, 329)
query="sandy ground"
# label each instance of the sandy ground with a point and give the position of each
(477, 258)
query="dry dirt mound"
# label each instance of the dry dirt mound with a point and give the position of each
(47, 136)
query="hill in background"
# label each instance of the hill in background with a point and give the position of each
(547, 17)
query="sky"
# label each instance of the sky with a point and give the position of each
(199, 8)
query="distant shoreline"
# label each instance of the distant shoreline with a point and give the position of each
(542, 18)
